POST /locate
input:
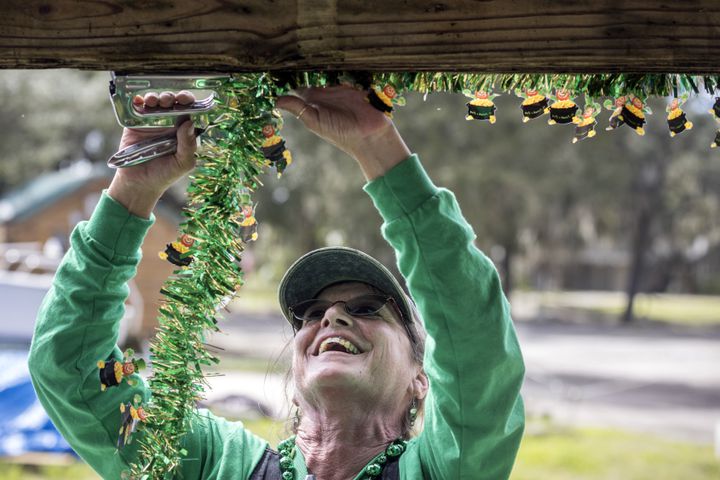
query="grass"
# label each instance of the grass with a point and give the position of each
(233, 363)
(689, 310)
(548, 452)
(603, 454)
(681, 309)
(76, 471)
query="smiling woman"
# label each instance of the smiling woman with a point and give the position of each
(354, 338)
(365, 358)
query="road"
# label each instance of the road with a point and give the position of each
(651, 379)
(647, 379)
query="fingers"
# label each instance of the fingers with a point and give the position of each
(186, 144)
(305, 112)
(151, 99)
(184, 97)
(301, 92)
(290, 103)
(164, 100)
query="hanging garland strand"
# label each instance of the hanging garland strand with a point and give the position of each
(220, 206)
(230, 162)
(592, 85)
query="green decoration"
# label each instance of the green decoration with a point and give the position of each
(586, 127)
(229, 163)
(591, 85)
(563, 109)
(677, 121)
(481, 107)
(113, 372)
(286, 449)
(220, 220)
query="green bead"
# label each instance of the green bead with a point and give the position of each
(373, 469)
(287, 443)
(394, 450)
(285, 462)
(288, 476)
(382, 459)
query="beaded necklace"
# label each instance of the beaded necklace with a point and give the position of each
(372, 470)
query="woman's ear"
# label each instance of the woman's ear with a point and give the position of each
(420, 385)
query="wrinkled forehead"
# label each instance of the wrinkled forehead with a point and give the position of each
(346, 291)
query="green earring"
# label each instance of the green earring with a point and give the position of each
(413, 412)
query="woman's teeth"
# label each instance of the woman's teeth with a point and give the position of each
(331, 342)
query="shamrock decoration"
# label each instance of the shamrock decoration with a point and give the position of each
(716, 109)
(245, 219)
(177, 252)
(716, 142)
(563, 109)
(677, 121)
(113, 372)
(533, 105)
(617, 107)
(273, 147)
(633, 113)
(481, 107)
(131, 414)
(384, 99)
(586, 127)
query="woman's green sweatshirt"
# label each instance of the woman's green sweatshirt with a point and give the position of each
(474, 413)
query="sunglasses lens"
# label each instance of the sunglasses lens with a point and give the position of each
(365, 305)
(310, 310)
(314, 309)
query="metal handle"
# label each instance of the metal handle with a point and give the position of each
(198, 106)
(146, 150)
(123, 89)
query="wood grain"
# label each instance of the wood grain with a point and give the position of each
(459, 35)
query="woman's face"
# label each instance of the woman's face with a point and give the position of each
(376, 364)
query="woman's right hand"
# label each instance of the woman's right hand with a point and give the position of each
(139, 187)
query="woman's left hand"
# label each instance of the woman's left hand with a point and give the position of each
(342, 116)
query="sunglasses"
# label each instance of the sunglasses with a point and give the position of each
(314, 309)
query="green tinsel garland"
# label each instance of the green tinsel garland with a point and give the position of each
(592, 85)
(229, 166)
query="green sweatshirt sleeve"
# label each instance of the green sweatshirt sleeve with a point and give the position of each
(78, 325)
(474, 415)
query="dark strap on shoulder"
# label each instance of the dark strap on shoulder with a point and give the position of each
(268, 468)
(391, 470)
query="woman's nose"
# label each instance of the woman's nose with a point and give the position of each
(337, 316)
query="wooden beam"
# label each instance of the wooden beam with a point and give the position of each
(451, 35)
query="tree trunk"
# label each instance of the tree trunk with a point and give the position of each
(454, 35)
(640, 243)
(507, 271)
(649, 183)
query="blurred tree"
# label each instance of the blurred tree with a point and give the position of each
(51, 118)
(504, 187)
(536, 201)
(668, 211)
(524, 187)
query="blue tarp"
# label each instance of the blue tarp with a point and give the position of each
(24, 425)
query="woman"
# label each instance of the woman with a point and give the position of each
(359, 370)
